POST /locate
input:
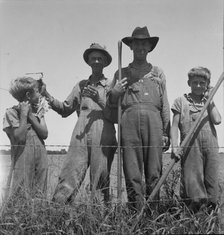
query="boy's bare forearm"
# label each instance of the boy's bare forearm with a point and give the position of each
(19, 134)
(214, 113)
(174, 136)
(174, 131)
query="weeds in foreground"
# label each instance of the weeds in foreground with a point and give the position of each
(43, 217)
(169, 216)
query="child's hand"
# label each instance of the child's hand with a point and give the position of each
(25, 108)
(166, 143)
(208, 92)
(177, 153)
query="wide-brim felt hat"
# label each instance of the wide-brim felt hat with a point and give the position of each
(97, 47)
(141, 33)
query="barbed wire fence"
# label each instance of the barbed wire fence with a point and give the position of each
(57, 155)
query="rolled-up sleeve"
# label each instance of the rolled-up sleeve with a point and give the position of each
(109, 93)
(71, 104)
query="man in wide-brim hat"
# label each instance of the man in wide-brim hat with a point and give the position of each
(141, 33)
(93, 134)
(145, 120)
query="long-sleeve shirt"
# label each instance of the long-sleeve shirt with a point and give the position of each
(91, 122)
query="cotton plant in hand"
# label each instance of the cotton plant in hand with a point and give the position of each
(42, 107)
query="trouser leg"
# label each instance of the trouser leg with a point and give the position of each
(133, 168)
(100, 166)
(211, 170)
(193, 177)
(151, 129)
(132, 160)
(72, 174)
(24, 173)
(41, 172)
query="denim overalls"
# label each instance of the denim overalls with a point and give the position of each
(93, 143)
(200, 163)
(31, 163)
(142, 131)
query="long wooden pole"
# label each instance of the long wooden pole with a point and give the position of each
(223, 60)
(187, 139)
(119, 172)
(221, 210)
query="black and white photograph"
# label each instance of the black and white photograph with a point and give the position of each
(112, 117)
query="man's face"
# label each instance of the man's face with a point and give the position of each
(97, 60)
(140, 47)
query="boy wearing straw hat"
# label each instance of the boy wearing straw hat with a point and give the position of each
(200, 161)
(93, 139)
(145, 117)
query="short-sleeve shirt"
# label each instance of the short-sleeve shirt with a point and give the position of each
(12, 120)
(189, 111)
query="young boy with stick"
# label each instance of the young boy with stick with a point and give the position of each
(200, 159)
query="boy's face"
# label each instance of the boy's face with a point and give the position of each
(34, 96)
(198, 85)
(140, 47)
(96, 60)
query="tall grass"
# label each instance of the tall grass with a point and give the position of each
(92, 216)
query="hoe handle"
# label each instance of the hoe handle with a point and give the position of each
(119, 172)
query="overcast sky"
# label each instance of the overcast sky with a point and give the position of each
(51, 36)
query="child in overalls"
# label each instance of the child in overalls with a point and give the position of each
(200, 162)
(25, 126)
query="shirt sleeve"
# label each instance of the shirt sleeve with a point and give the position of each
(71, 104)
(113, 82)
(10, 119)
(109, 93)
(176, 107)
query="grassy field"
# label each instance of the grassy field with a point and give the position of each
(55, 164)
(85, 216)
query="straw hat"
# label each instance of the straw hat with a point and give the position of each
(97, 47)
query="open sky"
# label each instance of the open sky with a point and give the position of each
(50, 36)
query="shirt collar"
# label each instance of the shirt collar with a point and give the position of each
(188, 97)
(102, 81)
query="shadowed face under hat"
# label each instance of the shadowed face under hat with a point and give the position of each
(97, 47)
(141, 33)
